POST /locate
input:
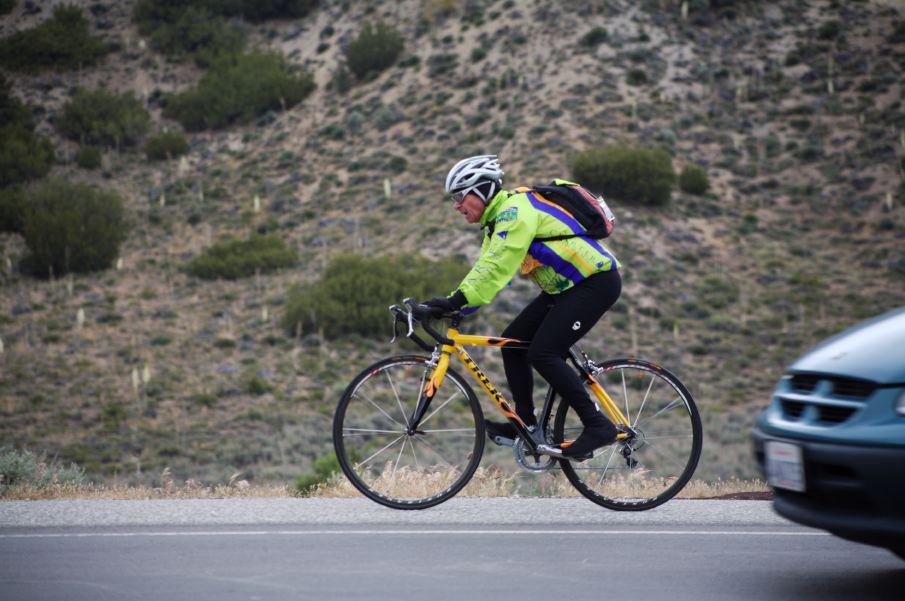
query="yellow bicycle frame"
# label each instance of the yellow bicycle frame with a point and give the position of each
(460, 341)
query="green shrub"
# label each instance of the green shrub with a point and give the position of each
(439, 65)
(594, 37)
(256, 386)
(693, 180)
(375, 49)
(234, 259)
(7, 6)
(239, 90)
(199, 34)
(12, 110)
(199, 28)
(62, 43)
(88, 157)
(166, 146)
(829, 31)
(24, 468)
(898, 33)
(23, 155)
(149, 15)
(717, 292)
(12, 209)
(324, 467)
(353, 294)
(261, 10)
(71, 227)
(103, 118)
(632, 175)
(342, 80)
(636, 77)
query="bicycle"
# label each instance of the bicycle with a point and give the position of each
(404, 444)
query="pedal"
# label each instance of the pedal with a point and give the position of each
(503, 442)
(545, 449)
(552, 451)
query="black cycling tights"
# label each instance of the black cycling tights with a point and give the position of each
(553, 323)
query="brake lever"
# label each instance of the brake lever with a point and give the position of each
(395, 325)
(409, 302)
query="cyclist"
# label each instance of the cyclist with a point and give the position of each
(579, 282)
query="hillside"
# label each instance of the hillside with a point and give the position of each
(793, 108)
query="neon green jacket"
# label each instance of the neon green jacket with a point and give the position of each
(514, 218)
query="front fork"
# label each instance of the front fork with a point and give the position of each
(440, 362)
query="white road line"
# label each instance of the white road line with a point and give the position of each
(414, 533)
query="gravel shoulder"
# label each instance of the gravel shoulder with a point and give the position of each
(458, 511)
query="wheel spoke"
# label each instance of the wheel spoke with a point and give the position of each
(372, 431)
(448, 430)
(396, 465)
(415, 455)
(398, 400)
(376, 406)
(366, 461)
(643, 401)
(435, 452)
(625, 396)
(608, 461)
(432, 413)
(669, 407)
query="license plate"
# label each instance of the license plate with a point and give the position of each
(785, 468)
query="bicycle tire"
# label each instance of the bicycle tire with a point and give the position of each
(641, 473)
(372, 418)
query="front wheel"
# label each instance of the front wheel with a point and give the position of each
(660, 455)
(390, 461)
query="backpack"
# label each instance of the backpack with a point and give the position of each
(588, 209)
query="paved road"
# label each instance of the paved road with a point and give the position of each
(464, 549)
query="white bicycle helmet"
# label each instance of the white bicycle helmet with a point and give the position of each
(478, 174)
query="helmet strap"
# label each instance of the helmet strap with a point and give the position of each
(486, 191)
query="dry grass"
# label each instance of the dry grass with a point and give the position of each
(168, 489)
(487, 482)
(493, 482)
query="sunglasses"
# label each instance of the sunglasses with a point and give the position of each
(458, 197)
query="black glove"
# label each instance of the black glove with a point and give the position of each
(446, 304)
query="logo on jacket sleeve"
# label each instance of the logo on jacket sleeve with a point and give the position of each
(510, 214)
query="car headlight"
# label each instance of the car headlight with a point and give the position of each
(900, 404)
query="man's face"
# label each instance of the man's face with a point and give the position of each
(471, 207)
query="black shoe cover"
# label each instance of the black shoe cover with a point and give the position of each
(592, 438)
(500, 429)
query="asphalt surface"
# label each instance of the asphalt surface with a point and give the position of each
(464, 549)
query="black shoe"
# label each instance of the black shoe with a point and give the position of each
(591, 438)
(499, 432)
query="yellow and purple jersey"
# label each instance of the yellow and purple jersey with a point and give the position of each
(514, 219)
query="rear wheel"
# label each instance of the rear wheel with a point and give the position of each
(387, 460)
(662, 451)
